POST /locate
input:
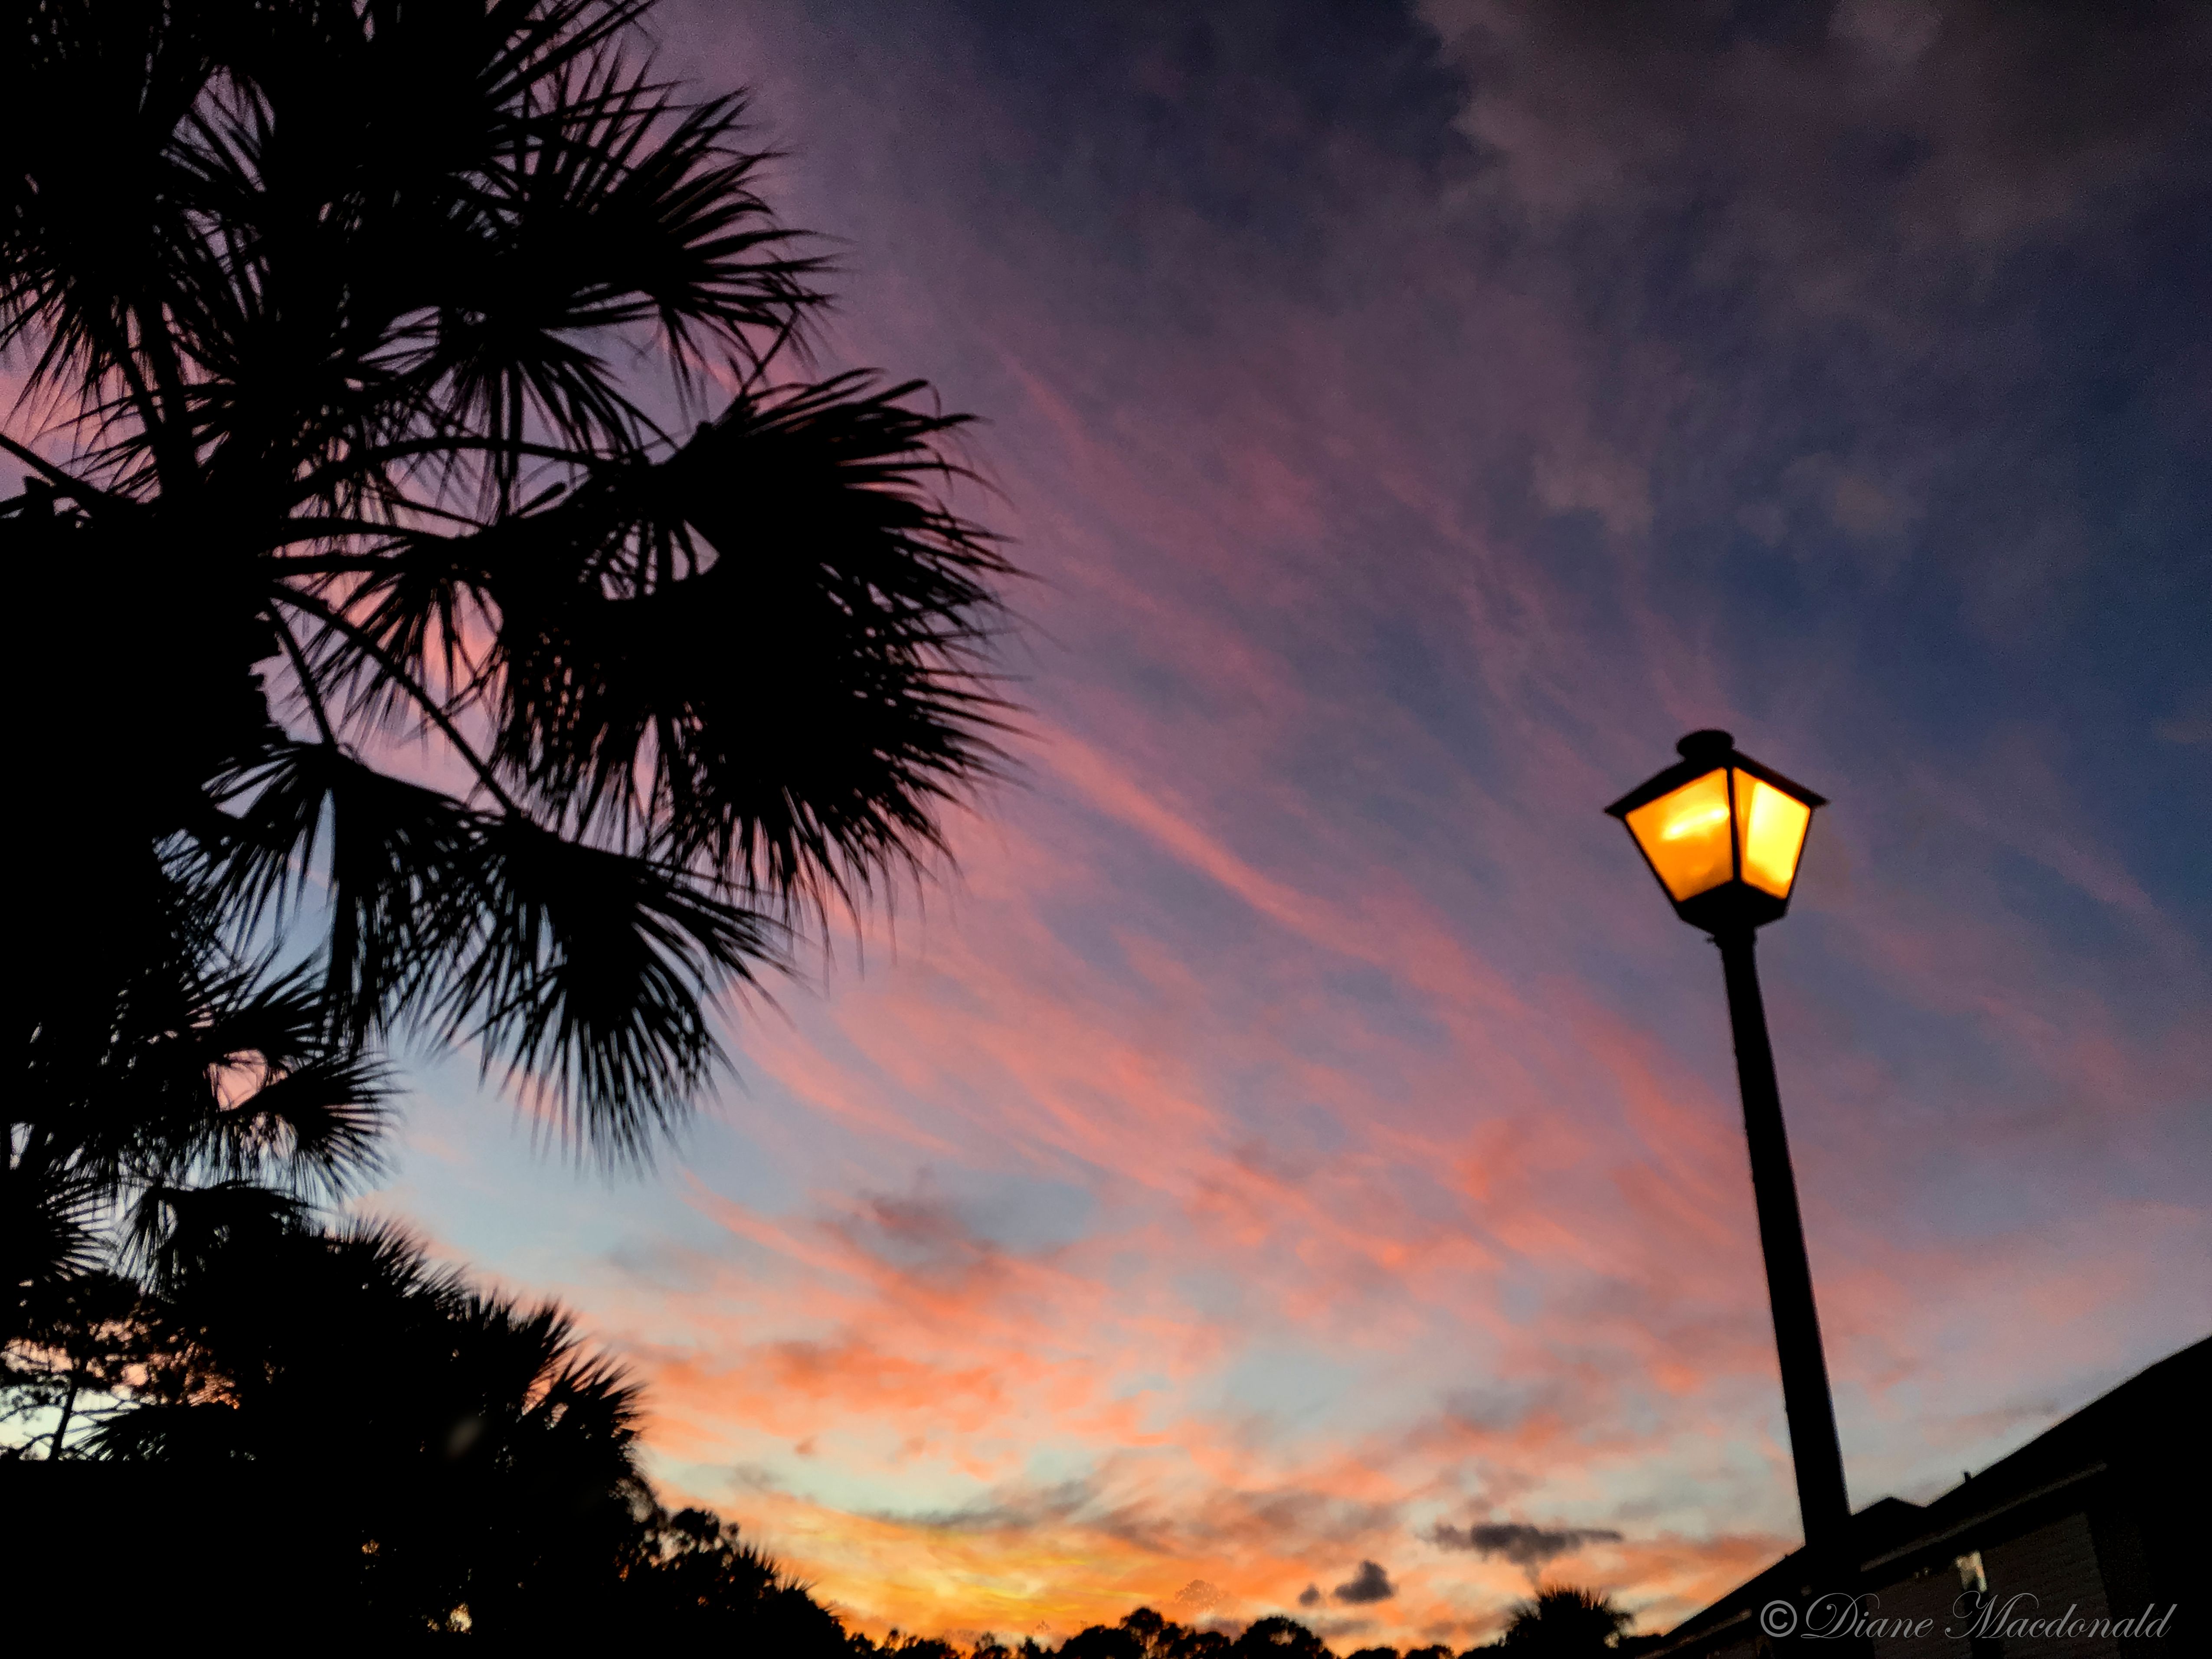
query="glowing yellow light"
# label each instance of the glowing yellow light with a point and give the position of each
(1693, 823)
(1773, 826)
(1685, 834)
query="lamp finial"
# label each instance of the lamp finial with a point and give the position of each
(1699, 745)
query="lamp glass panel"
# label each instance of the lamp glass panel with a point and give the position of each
(1773, 825)
(1685, 834)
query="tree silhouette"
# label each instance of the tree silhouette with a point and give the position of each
(1565, 1622)
(1278, 1636)
(1145, 1634)
(689, 1576)
(465, 1451)
(453, 581)
(920, 1647)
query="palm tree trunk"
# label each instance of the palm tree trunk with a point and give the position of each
(69, 1405)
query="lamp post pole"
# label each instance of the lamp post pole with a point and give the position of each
(1822, 1503)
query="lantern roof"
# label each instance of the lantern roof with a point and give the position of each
(1701, 751)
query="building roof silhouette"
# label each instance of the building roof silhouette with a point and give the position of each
(2105, 1510)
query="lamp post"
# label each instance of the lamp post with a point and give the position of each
(1723, 835)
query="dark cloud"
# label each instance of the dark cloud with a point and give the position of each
(1310, 1596)
(1526, 1546)
(1369, 1583)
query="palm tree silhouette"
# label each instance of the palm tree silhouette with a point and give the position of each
(1566, 1621)
(462, 1450)
(454, 581)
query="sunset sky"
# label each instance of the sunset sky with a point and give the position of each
(1297, 1134)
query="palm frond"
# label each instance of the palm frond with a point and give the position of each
(176, 1231)
(93, 227)
(762, 655)
(592, 976)
(50, 1213)
(385, 853)
(590, 972)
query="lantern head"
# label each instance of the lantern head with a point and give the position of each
(1722, 834)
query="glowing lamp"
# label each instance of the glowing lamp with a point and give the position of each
(1722, 834)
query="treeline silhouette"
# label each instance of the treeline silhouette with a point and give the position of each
(1562, 1622)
